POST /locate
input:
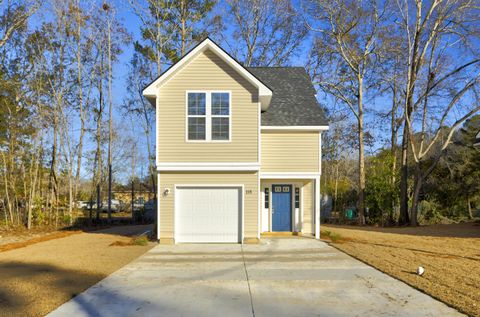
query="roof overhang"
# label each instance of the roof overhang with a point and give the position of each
(265, 93)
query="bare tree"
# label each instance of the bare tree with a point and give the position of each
(83, 48)
(346, 51)
(136, 105)
(54, 70)
(265, 32)
(390, 85)
(337, 152)
(110, 16)
(437, 83)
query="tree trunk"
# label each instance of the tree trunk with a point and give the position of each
(151, 163)
(414, 62)
(7, 192)
(469, 208)
(53, 169)
(33, 185)
(158, 42)
(70, 192)
(183, 18)
(110, 123)
(417, 187)
(403, 219)
(335, 193)
(393, 152)
(133, 201)
(99, 201)
(98, 158)
(361, 156)
(80, 102)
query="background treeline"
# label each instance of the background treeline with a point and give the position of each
(398, 80)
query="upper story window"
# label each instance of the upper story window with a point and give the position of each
(208, 116)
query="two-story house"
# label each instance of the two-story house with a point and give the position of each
(238, 149)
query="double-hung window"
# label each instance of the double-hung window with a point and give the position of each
(208, 116)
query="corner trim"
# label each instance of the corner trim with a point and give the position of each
(159, 196)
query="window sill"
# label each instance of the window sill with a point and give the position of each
(208, 141)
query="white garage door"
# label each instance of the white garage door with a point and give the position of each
(207, 214)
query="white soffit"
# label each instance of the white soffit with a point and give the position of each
(265, 94)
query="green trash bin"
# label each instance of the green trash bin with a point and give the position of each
(349, 214)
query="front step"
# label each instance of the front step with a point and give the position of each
(279, 234)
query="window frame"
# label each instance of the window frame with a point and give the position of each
(208, 116)
(196, 116)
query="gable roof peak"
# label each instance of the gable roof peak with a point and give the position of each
(265, 93)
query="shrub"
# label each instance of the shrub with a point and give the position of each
(143, 240)
(335, 237)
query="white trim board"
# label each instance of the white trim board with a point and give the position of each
(159, 197)
(211, 166)
(265, 94)
(320, 152)
(295, 128)
(317, 207)
(288, 175)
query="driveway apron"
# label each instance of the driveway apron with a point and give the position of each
(278, 277)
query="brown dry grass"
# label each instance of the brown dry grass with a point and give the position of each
(450, 255)
(37, 278)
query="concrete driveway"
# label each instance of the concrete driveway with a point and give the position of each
(279, 277)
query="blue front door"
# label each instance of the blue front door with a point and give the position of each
(281, 208)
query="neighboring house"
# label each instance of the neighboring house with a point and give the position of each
(477, 140)
(238, 149)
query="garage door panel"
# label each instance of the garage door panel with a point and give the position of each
(208, 214)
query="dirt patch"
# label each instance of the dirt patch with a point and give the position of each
(38, 278)
(20, 233)
(450, 255)
(47, 237)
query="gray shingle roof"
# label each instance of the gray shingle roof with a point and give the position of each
(293, 101)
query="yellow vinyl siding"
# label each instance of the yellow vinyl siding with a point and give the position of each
(250, 195)
(307, 200)
(290, 152)
(207, 72)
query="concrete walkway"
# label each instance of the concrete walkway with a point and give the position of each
(279, 277)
